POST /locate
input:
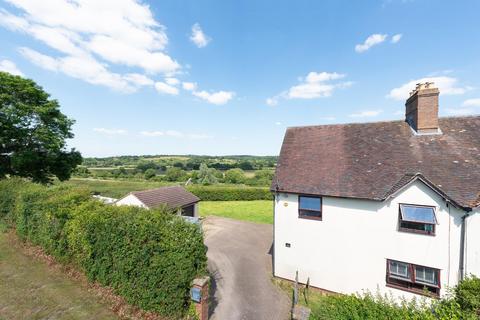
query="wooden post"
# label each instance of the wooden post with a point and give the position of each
(199, 295)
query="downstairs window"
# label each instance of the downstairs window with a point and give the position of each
(417, 219)
(413, 278)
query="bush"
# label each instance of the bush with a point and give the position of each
(467, 294)
(219, 193)
(235, 176)
(149, 257)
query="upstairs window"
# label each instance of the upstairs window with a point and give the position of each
(417, 219)
(310, 207)
(413, 278)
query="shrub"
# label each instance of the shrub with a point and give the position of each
(220, 193)
(467, 294)
(235, 176)
(149, 257)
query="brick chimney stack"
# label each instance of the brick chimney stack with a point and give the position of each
(421, 109)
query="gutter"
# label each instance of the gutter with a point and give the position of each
(463, 232)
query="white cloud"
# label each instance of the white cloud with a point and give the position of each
(199, 38)
(175, 134)
(472, 102)
(371, 41)
(315, 85)
(189, 86)
(172, 81)
(461, 111)
(366, 114)
(162, 87)
(10, 67)
(446, 85)
(81, 67)
(272, 102)
(110, 132)
(396, 37)
(218, 98)
(90, 35)
(139, 79)
(278, 123)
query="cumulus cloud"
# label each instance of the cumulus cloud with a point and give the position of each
(472, 102)
(110, 132)
(314, 85)
(90, 36)
(446, 85)
(175, 134)
(189, 86)
(366, 114)
(371, 41)
(172, 81)
(163, 87)
(396, 37)
(218, 98)
(198, 37)
(10, 67)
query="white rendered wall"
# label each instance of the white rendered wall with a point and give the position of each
(130, 200)
(472, 244)
(346, 252)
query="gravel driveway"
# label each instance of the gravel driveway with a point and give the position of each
(240, 262)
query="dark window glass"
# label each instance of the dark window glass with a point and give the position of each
(310, 207)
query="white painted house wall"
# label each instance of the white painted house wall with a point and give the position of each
(346, 252)
(472, 243)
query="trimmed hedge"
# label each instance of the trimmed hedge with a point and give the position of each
(220, 193)
(149, 257)
(369, 307)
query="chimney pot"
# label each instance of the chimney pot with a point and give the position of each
(421, 108)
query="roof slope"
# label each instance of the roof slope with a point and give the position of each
(372, 160)
(173, 197)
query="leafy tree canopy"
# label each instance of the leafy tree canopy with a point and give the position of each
(33, 132)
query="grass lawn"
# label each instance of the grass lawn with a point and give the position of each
(30, 290)
(259, 211)
(114, 188)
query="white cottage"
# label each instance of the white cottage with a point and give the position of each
(389, 207)
(174, 197)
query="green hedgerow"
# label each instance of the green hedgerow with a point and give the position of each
(149, 257)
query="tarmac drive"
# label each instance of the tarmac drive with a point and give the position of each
(240, 262)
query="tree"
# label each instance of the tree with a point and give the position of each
(175, 174)
(235, 176)
(150, 173)
(206, 175)
(33, 132)
(245, 165)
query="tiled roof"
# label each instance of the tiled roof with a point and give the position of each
(373, 160)
(173, 197)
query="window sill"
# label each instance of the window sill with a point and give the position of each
(432, 234)
(310, 218)
(414, 291)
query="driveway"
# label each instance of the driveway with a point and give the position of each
(240, 261)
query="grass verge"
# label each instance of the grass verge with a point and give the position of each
(259, 211)
(29, 289)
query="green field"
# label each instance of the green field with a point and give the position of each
(259, 211)
(30, 290)
(114, 188)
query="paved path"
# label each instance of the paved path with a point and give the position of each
(240, 261)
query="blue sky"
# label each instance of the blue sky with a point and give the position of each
(227, 77)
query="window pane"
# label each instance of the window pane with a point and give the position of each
(308, 213)
(418, 214)
(309, 203)
(425, 275)
(399, 269)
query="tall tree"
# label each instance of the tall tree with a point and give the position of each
(33, 132)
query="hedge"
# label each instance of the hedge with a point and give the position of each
(220, 193)
(369, 307)
(149, 257)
